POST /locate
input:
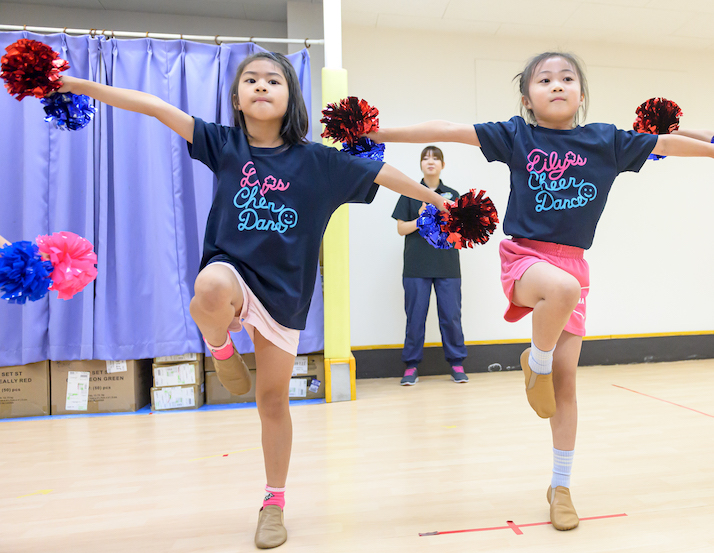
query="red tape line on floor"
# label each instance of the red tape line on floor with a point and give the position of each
(512, 526)
(664, 400)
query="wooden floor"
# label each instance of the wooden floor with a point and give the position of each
(371, 475)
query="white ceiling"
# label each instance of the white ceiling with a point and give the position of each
(684, 23)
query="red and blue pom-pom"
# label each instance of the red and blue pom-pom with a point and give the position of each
(24, 274)
(62, 261)
(31, 68)
(429, 224)
(657, 116)
(347, 121)
(470, 220)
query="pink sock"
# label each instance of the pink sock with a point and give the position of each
(223, 352)
(275, 496)
(457, 368)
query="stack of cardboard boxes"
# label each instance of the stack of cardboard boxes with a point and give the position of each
(178, 382)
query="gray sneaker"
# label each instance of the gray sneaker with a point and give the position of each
(458, 375)
(410, 377)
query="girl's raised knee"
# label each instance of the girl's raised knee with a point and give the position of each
(212, 291)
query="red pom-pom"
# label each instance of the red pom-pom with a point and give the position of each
(31, 68)
(657, 116)
(348, 119)
(472, 220)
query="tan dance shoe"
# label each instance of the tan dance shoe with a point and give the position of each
(539, 389)
(233, 373)
(271, 530)
(562, 512)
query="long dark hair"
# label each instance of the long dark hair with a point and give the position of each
(524, 81)
(295, 122)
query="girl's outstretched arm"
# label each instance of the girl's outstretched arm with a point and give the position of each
(682, 146)
(133, 100)
(706, 136)
(397, 181)
(432, 131)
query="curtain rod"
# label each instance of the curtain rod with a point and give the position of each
(218, 39)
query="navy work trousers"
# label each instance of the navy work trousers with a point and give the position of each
(417, 292)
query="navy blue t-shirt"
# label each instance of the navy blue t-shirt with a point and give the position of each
(271, 209)
(560, 179)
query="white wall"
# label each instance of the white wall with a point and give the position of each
(305, 21)
(651, 259)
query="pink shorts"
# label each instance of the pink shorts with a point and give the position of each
(518, 254)
(253, 315)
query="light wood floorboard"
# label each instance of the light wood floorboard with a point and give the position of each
(370, 475)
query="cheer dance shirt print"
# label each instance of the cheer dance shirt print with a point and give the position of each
(257, 213)
(555, 190)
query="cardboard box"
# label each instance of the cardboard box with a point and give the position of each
(99, 386)
(178, 374)
(25, 390)
(308, 381)
(177, 397)
(176, 359)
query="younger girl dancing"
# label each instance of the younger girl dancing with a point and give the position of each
(276, 193)
(561, 174)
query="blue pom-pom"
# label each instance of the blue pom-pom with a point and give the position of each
(68, 111)
(429, 226)
(24, 275)
(655, 157)
(364, 147)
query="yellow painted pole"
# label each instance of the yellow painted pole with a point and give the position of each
(339, 377)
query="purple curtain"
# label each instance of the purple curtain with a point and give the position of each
(125, 182)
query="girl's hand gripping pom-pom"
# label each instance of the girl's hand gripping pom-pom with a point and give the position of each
(349, 119)
(24, 274)
(429, 224)
(31, 68)
(73, 260)
(68, 111)
(471, 220)
(657, 116)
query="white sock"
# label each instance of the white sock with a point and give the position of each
(562, 466)
(540, 362)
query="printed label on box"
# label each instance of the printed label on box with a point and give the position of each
(77, 391)
(177, 358)
(174, 375)
(116, 367)
(298, 387)
(315, 385)
(300, 366)
(173, 398)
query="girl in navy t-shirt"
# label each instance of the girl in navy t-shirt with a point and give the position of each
(276, 192)
(561, 174)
